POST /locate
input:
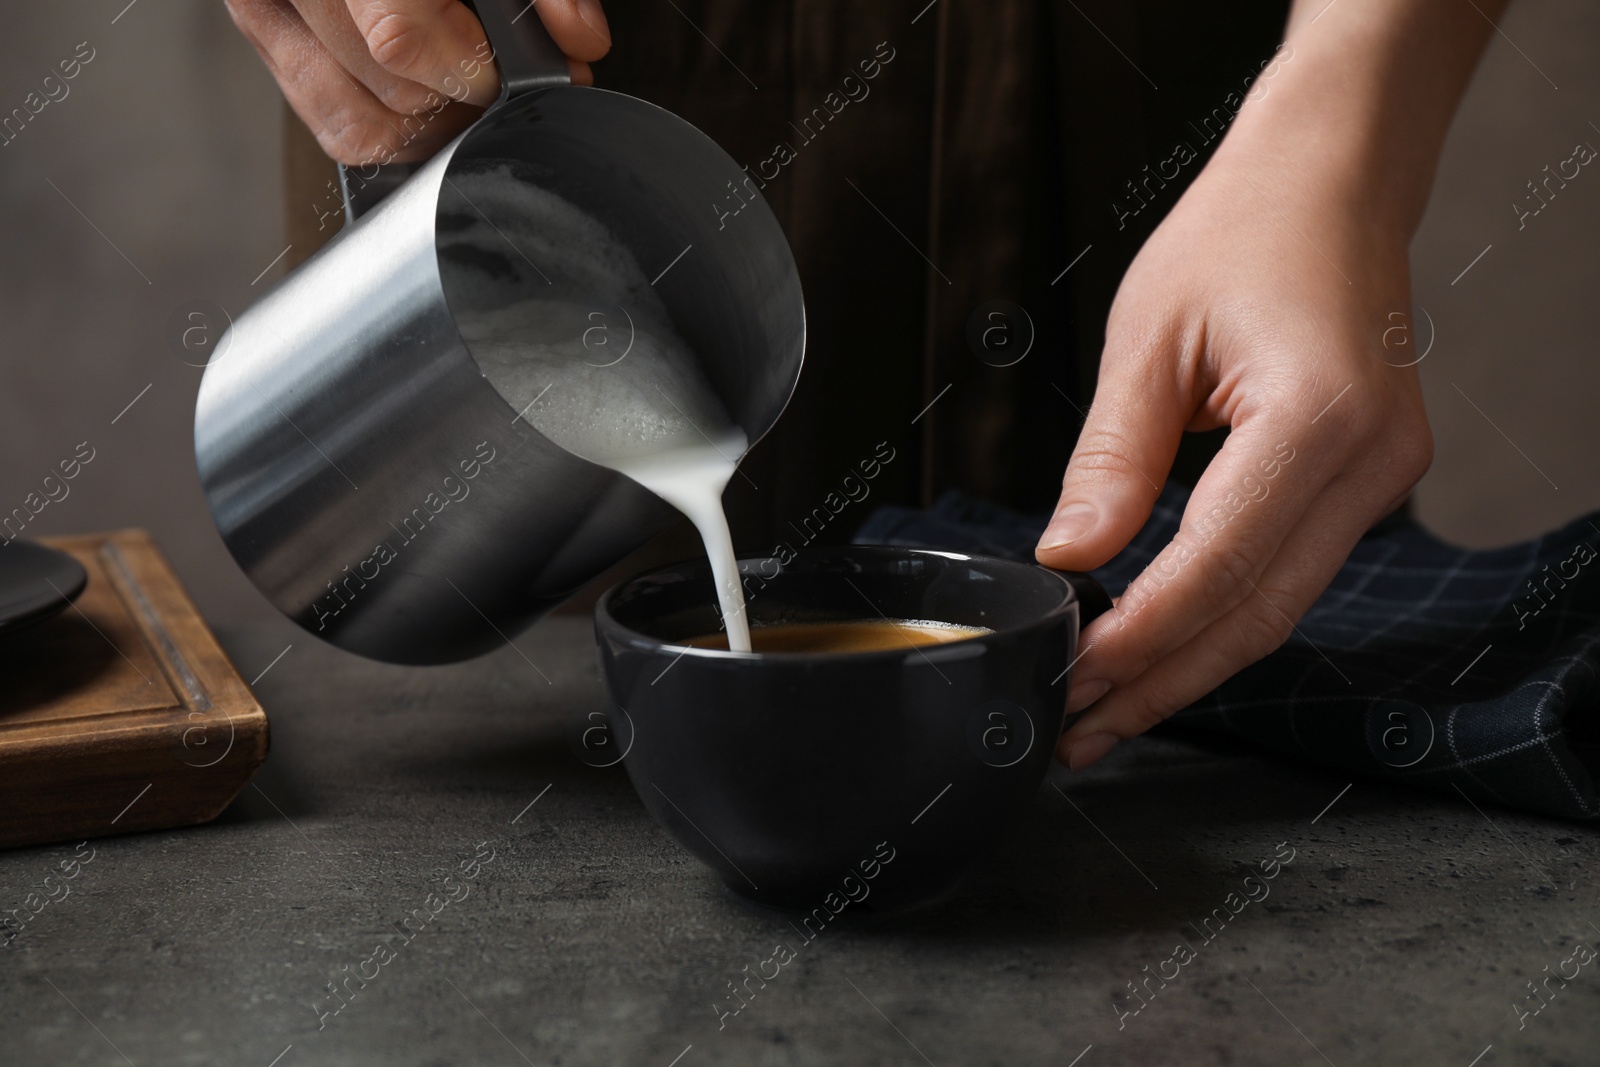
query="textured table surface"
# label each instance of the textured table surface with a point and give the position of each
(1402, 932)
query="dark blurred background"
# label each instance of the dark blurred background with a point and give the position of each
(159, 180)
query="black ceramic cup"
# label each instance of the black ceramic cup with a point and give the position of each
(864, 779)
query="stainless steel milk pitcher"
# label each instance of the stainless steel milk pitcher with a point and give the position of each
(363, 472)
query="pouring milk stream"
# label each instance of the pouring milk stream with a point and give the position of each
(646, 411)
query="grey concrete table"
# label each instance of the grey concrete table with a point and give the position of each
(577, 933)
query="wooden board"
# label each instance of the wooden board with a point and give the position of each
(122, 713)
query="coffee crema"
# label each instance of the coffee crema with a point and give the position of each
(853, 635)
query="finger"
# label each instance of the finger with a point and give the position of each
(440, 43)
(1124, 452)
(437, 43)
(1307, 561)
(332, 28)
(349, 122)
(578, 27)
(1251, 496)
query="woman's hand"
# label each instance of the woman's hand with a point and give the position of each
(1257, 305)
(1261, 304)
(382, 81)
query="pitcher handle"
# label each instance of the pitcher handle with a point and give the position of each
(527, 58)
(523, 49)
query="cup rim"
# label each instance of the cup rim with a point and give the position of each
(607, 623)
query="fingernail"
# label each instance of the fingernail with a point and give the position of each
(1085, 693)
(1090, 749)
(1069, 525)
(595, 18)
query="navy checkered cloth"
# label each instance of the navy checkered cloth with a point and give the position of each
(1465, 671)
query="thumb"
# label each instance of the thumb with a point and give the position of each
(1122, 458)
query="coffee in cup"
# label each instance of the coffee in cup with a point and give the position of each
(852, 635)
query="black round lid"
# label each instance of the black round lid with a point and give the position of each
(35, 583)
